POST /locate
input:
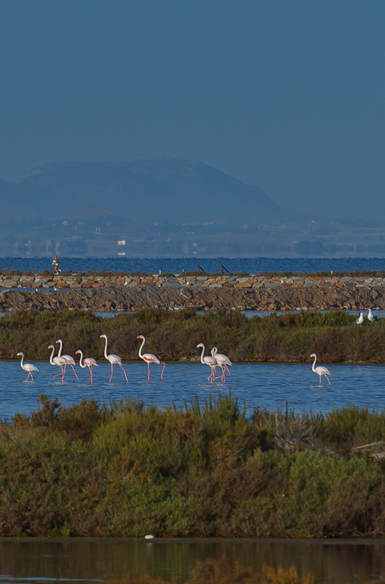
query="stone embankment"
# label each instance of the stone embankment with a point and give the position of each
(131, 292)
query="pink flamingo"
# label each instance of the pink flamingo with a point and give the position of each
(57, 361)
(27, 366)
(88, 362)
(67, 358)
(320, 370)
(148, 358)
(113, 359)
(223, 362)
(210, 361)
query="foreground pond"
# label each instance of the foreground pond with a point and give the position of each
(75, 561)
(259, 385)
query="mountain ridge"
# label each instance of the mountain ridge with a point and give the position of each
(152, 191)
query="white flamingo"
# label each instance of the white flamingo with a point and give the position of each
(149, 358)
(371, 316)
(210, 361)
(223, 362)
(320, 370)
(87, 362)
(59, 361)
(67, 358)
(360, 319)
(113, 359)
(27, 366)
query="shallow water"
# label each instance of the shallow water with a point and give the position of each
(76, 561)
(257, 385)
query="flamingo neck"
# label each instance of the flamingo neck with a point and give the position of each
(81, 360)
(314, 362)
(51, 358)
(141, 347)
(203, 350)
(105, 348)
(22, 359)
(60, 347)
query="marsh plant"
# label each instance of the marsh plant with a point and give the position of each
(205, 470)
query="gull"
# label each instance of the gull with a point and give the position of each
(360, 319)
(371, 316)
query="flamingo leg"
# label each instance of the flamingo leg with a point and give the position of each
(327, 378)
(112, 371)
(57, 375)
(227, 370)
(210, 377)
(90, 379)
(161, 375)
(212, 374)
(123, 371)
(62, 373)
(73, 369)
(148, 368)
(223, 376)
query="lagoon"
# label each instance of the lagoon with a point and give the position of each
(259, 385)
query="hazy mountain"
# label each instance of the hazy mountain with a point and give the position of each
(150, 191)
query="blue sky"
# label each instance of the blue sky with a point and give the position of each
(288, 96)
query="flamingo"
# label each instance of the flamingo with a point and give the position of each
(360, 319)
(223, 362)
(27, 366)
(57, 361)
(148, 358)
(88, 362)
(320, 370)
(371, 316)
(67, 358)
(113, 359)
(210, 361)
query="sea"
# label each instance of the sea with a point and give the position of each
(302, 265)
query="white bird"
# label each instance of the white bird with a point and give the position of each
(87, 362)
(27, 366)
(210, 361)
(113, 359)
(360, 319)
(149, 358)
(320, 370)
(223, 362)
(59, 361)
(67, 358)
(371, 316)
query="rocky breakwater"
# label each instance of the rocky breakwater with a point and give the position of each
(116, 292)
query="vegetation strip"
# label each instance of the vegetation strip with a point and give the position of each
(126, 470)
(174, 335)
